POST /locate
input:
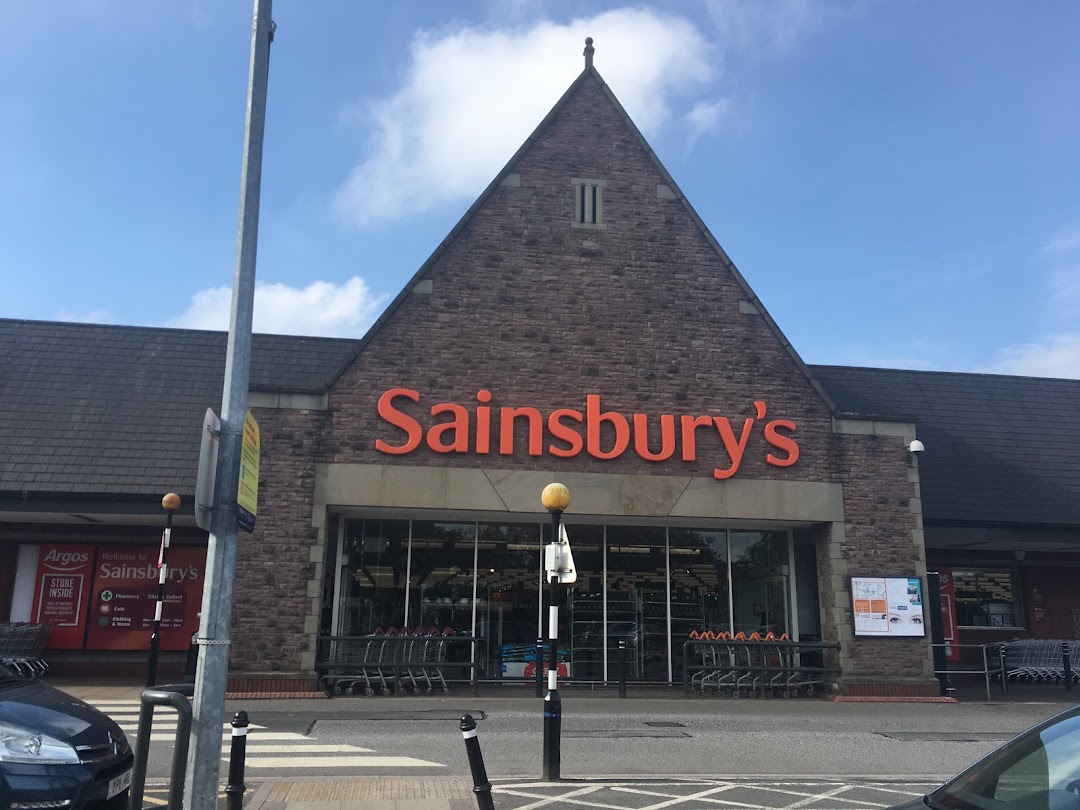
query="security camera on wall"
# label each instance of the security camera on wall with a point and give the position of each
(916, 447)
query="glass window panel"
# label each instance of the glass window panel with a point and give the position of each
(373, 586)
(441, 576)
(508, 579)
(986, 598)
(806, 589)
(699, 586)
(580, 622)
(759, 582)
(637, 599)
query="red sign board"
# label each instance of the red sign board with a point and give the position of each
(61, 593)
(125, 595)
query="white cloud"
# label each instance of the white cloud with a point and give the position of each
(1063, 244)
(706, 116)
(1053, 356)
(753, 25)
(440, 138)
(322, 308)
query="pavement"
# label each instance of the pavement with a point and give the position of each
(622, 792)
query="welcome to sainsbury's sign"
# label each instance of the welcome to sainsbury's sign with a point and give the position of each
(566, 432)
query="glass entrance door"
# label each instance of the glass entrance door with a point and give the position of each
(759, 583)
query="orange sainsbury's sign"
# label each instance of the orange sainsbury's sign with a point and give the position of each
(570, 431)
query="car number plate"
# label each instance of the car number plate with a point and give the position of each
(119, 784)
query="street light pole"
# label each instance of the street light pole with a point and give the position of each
(555, 498)
(208, 705)
(170, 503)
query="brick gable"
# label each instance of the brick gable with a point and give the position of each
(645, 312)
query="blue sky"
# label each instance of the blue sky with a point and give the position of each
(898, 181)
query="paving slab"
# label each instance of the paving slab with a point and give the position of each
(373, 793)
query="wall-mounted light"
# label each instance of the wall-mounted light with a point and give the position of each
(916, 447)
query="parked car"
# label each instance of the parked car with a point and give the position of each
(1038, 770)
(58, 753)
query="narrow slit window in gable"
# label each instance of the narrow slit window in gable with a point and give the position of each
(588, 203)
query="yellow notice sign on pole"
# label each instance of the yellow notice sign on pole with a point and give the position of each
(247, 495)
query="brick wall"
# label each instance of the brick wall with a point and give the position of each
(274, 563)
(645, 313)
(880, 538)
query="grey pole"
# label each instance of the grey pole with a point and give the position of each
(204, 762)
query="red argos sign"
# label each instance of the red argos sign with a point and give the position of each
(566, 432)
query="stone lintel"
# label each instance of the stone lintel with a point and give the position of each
(518, 491)
(286, 401)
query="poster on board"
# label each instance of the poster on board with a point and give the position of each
(61, 591)
(887, 606)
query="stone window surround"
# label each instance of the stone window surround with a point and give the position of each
(580, 216)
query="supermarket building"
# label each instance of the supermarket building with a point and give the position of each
(579, 324)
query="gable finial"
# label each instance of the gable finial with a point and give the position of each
(589, 49)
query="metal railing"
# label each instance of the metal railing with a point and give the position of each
(1023, 660)
(175, 695)
(993, 664)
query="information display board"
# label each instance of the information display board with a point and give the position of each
(888, 606)
(125, 596)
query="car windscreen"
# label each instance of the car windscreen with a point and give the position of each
(1039, 770)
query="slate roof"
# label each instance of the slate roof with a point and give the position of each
(94, 409)
(999, 449)
(115, 411)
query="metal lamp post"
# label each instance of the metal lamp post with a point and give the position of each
(170, 503)
(555, 498)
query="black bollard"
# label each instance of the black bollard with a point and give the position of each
(539, 667)
(622, 669)
(481, 785)
(234, 791)
(1067, 664)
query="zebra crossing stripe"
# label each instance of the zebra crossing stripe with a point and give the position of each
(341, 762)
(174, 725)
(263, 745)
(308, 748)
(280, 736)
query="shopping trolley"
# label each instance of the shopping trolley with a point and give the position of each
(384, 661)
(726, 666)
(22, 647)
(1041, 660)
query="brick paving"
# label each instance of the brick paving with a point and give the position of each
(374, 793)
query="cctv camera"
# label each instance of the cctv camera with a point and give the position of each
(916, 447)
